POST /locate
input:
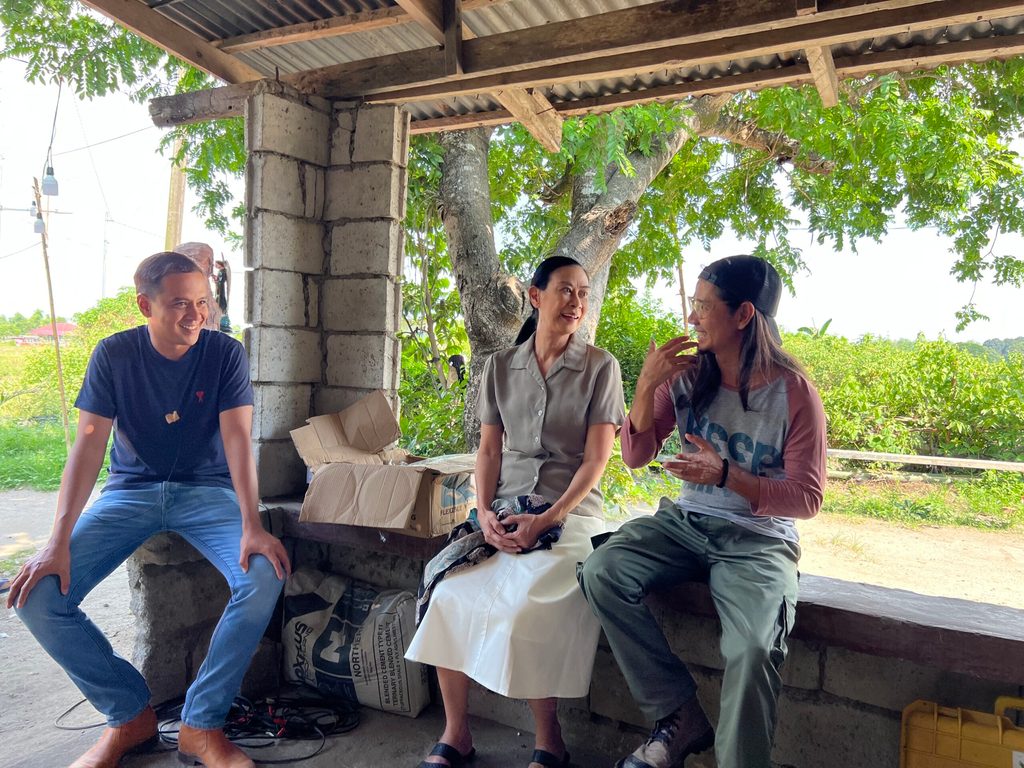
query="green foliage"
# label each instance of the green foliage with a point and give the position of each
(1006, 347)
(39, 377)
(62, 41)
(31, 455)
(933, 398)
(431, 420)
(433, 399)
(212, 154)
(17, 324)
(628, 323)
(995, 500)
(9, 564)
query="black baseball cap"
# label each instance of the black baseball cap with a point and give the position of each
(748, 278)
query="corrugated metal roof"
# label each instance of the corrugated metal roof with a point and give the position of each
(222, 19)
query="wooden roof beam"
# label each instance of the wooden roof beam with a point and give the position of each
(428, 14)
(529, 107)
(215, 103)
(537, 115)
(823, 67)
(795, 74)
(374, 77)
(336, 26)
(350, 23)
(176, 40)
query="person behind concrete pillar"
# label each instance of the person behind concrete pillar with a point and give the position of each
(753, 432)
(222, 283)
(202, 254)
(517, 623)
(179, 401)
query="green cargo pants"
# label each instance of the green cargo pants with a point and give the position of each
(753, 582)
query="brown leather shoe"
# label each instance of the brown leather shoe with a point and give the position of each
(137, 735)
(198, 746)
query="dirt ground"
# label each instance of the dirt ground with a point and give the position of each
(984, 566)
(953, 562)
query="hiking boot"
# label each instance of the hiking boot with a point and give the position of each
(685, 732)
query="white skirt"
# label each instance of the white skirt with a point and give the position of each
(517, 624)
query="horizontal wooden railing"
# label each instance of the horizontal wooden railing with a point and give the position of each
(932, 461)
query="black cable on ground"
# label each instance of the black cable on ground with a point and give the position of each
(260, 725)
(272, 720)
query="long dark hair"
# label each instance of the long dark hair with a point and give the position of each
(760, 354)
(541, 277)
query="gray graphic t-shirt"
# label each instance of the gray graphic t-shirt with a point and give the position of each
(780, 438)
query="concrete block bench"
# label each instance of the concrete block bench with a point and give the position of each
(858, 653)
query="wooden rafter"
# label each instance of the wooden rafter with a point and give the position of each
(823, 67)
(223, 102)
(537, 115)
(175, 39)
(454, 32)
(349, 24)
(443, 20)
(428, 14)
(378, 76)
(912, 59)
(796, 74)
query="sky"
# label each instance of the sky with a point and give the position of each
(112, 207)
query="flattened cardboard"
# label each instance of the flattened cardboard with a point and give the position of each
(417, 499)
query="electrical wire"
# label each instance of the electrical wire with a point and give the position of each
(53, 129)
(104, 141)
(20, 250)
(92, 161)
(259, 725)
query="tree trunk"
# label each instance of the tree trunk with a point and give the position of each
(494, 303)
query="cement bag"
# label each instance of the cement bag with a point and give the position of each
(347, 639)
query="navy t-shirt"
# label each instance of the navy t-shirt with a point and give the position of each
(166, 412)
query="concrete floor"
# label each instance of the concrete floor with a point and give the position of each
(379, 740)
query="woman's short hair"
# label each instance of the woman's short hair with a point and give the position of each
(155, 268)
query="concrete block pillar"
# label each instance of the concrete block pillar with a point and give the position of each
(361, 294)
(288, 142)
(325, 198)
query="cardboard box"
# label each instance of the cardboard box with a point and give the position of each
(358, 480)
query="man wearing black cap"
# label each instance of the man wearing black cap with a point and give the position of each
(754, 461)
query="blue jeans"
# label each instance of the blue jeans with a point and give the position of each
(104, 536)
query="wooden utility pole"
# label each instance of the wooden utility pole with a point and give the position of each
(53, 321)
(175, 200)
(682, 295)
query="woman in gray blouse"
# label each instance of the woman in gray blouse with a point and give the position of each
(517, 622)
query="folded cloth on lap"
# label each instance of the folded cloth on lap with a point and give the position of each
(466, 546)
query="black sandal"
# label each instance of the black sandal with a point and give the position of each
(548, 760)
(455, 758)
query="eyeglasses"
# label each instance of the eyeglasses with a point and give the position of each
(700, 306)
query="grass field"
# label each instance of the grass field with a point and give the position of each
(31, 455)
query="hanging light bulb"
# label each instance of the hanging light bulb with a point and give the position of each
(49, 182)
(39, 227)
(32, 211)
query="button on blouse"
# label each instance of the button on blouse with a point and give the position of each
(545, 421)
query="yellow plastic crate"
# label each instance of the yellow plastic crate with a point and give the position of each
(942, 737)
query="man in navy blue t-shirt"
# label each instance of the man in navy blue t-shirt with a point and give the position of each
(179, 401)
